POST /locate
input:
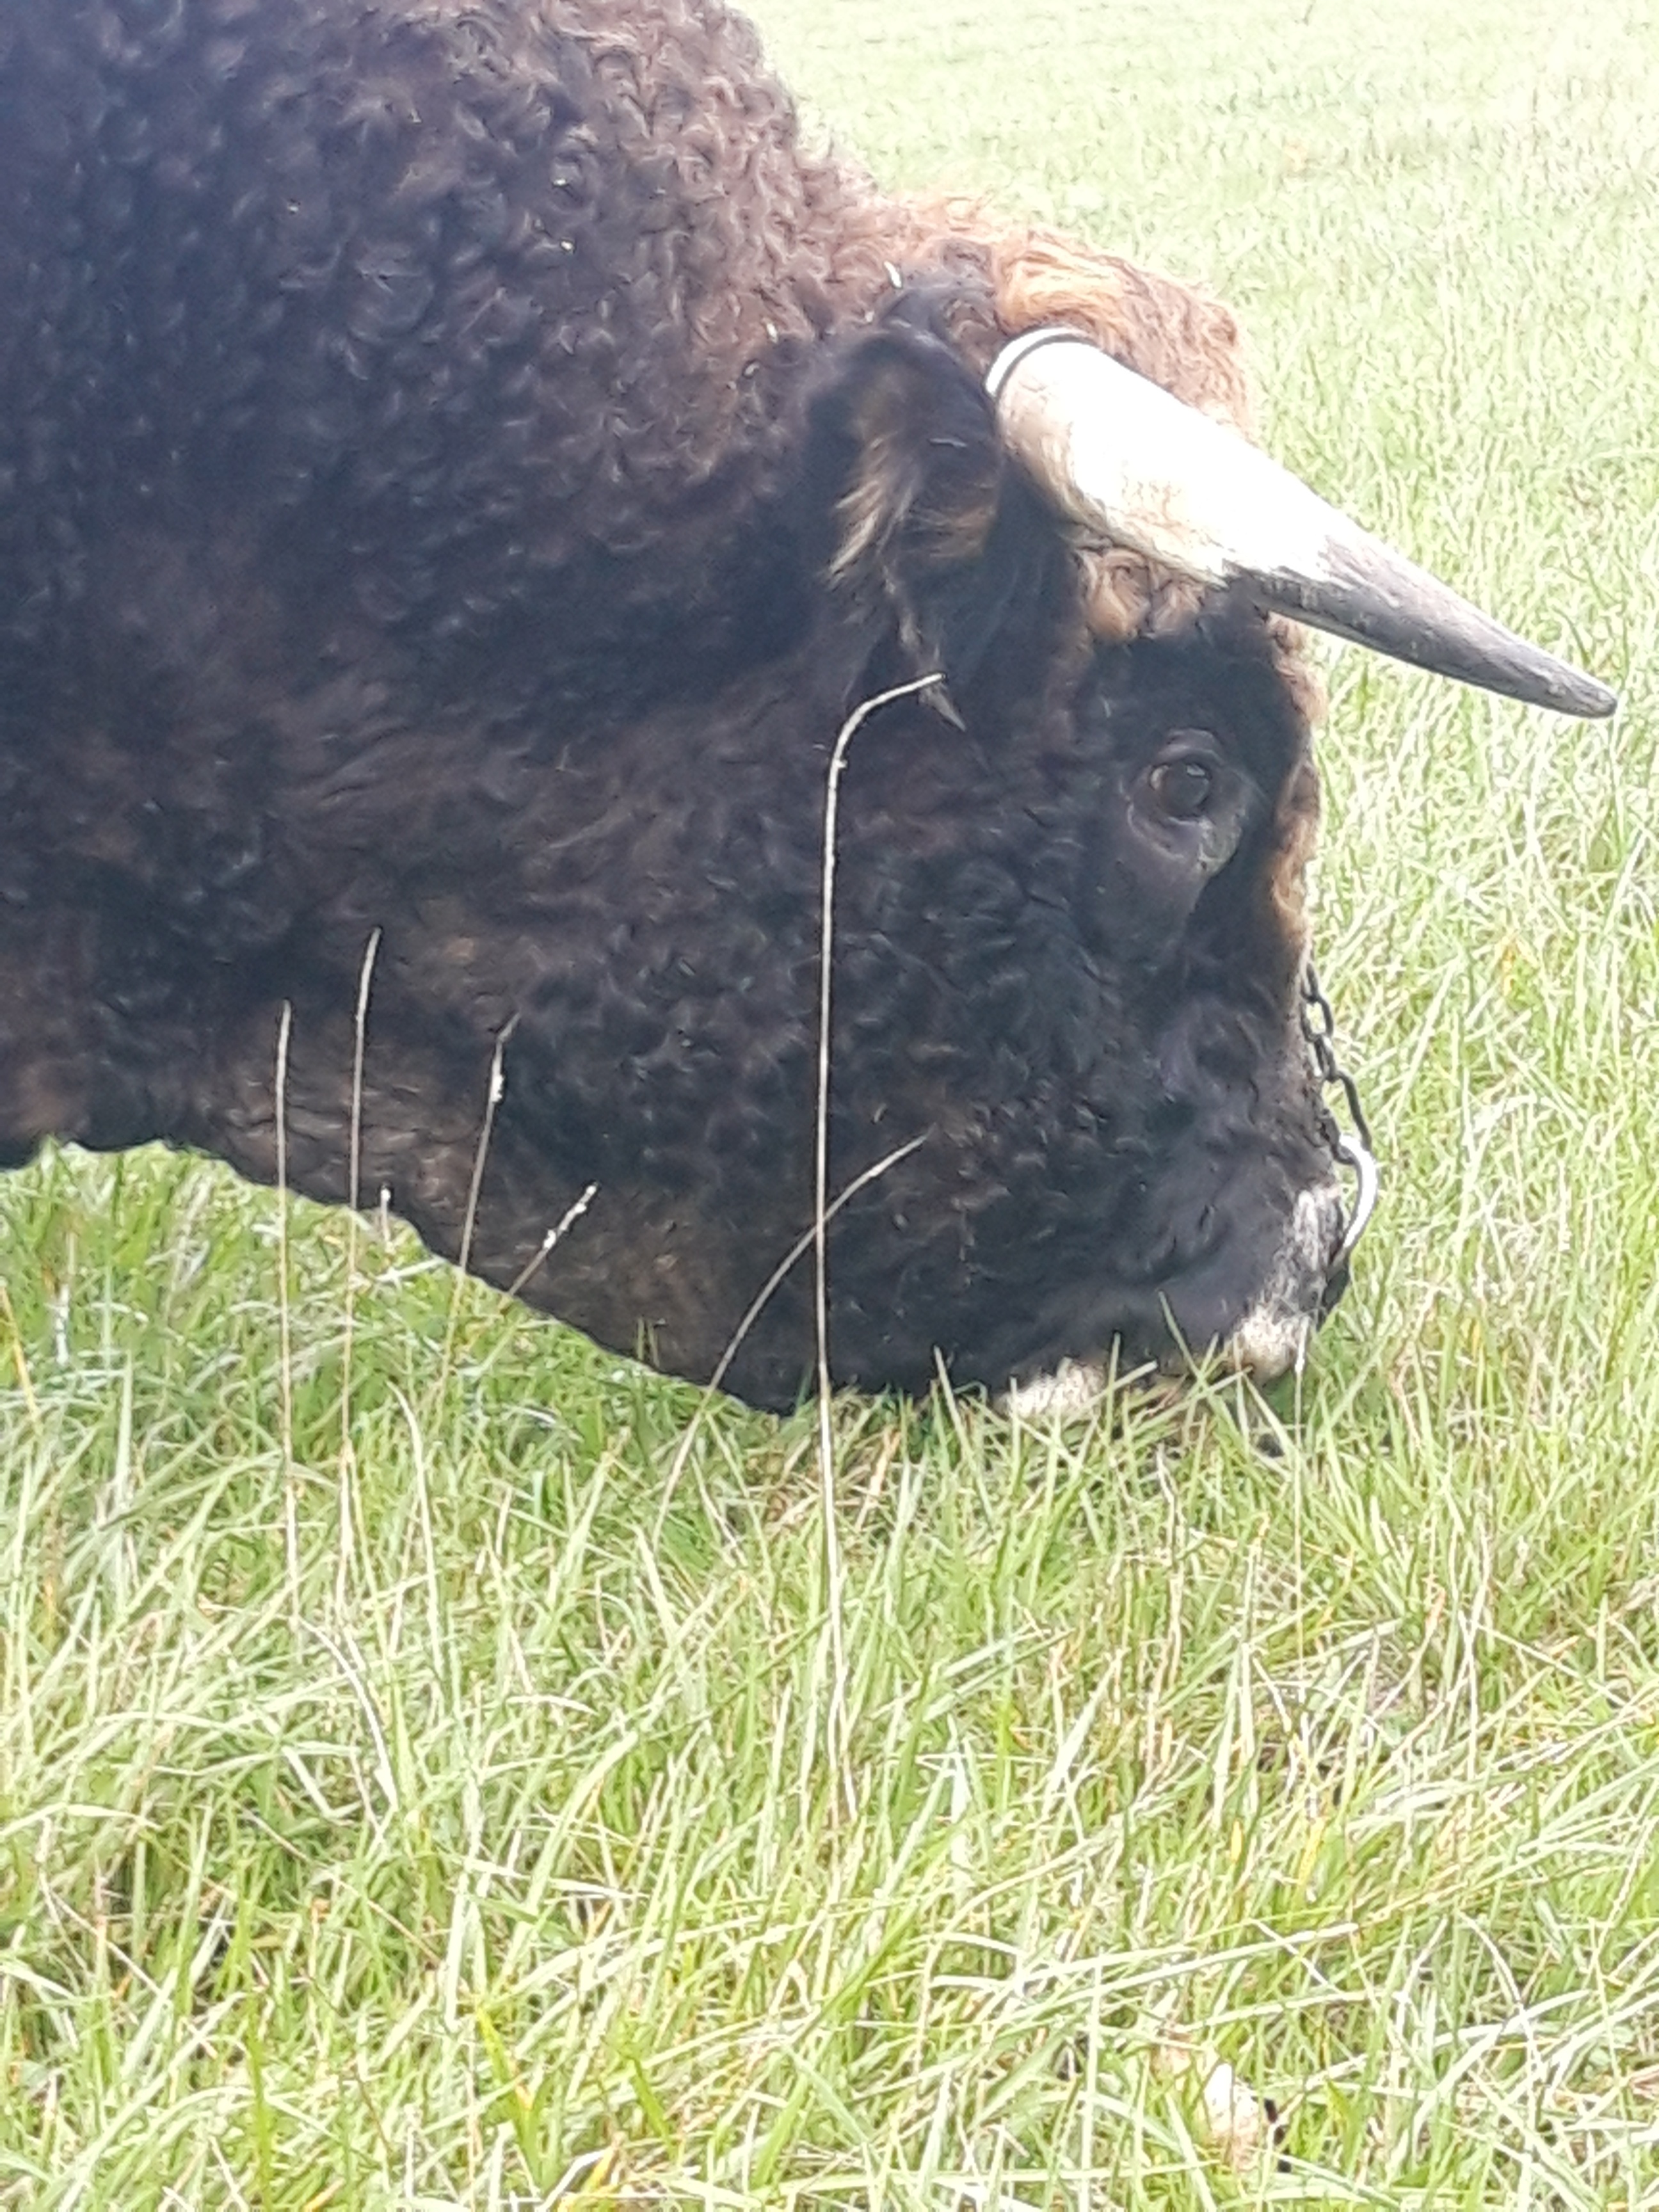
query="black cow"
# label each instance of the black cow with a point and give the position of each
(460, 467)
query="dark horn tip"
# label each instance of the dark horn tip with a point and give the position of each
(1190, 494)
(1543, 681)
(1375, 597)
(1598, 700)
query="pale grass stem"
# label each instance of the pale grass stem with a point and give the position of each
(20, 1360)
(757, 1306)
(837, 1746)
(572, 1214)
(470, 1220)
(353, 1190)
(285, 1323)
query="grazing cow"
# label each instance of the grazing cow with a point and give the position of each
(462, 462)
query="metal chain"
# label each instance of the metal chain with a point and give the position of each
(1319, 1028)
(1353, 1151)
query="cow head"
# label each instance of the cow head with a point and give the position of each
(1071, 949)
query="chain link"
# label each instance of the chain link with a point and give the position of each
(1353, 1152)
(1319, 1028)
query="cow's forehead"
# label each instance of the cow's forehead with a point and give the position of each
(1224, 671)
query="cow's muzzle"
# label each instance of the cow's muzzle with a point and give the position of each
(1308, 1276)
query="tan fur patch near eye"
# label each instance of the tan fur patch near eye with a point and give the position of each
(1126, 595)
(1297, 825)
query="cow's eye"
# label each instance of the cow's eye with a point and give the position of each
(1181, 786)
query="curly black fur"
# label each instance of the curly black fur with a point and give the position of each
(458, 469)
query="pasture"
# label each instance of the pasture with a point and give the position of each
(441, 1766)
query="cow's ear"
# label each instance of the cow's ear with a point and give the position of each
(924, 465)
(931, 529)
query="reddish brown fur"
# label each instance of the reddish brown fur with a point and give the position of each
(815, 243)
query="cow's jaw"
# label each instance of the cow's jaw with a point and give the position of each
(1269, 1340)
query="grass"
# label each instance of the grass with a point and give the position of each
(441, 1819)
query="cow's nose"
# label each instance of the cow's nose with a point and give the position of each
(1271, 1337)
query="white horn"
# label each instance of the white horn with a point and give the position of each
(1127, 464)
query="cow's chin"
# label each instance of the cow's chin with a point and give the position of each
(1269, 1341)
